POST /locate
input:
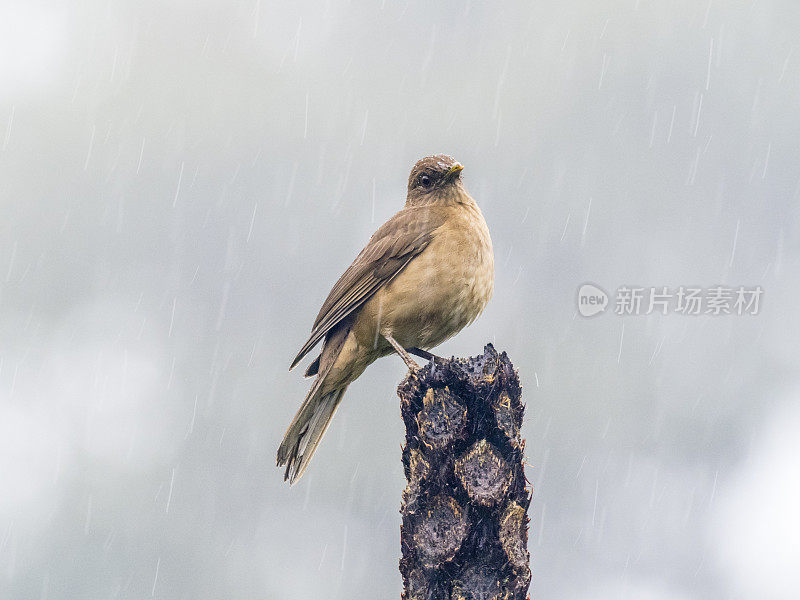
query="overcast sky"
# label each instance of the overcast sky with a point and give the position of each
(181, 183)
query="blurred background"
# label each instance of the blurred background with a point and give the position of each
(181, 183)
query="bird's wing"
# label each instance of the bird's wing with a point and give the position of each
(388, 251)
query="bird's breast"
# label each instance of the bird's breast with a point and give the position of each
(444, 288)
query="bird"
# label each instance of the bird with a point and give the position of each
(424, 275)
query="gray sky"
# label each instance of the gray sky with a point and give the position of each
(182, 182)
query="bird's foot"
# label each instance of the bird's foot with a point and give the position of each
(410, 362)
(412, 366)
(424, 354)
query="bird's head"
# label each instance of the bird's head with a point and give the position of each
(436, 179)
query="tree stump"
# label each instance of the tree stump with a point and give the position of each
(465, 509)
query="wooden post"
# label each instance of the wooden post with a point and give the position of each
(465, 509)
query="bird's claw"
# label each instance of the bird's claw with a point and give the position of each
(412, 365)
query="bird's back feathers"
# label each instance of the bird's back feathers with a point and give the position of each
(387, 253)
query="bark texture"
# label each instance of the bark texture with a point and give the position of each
(465, 509)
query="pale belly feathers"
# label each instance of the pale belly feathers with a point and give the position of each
(440, 292)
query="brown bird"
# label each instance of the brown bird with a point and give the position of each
(424, 275)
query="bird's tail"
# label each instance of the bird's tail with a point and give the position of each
(308, 426)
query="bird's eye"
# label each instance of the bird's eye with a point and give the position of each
(426, 181)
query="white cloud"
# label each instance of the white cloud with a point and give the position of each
(32, 45)
(632, 590)
(96, 392)
(31, 450)
(756, 523)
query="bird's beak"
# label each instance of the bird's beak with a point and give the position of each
(453, 171)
